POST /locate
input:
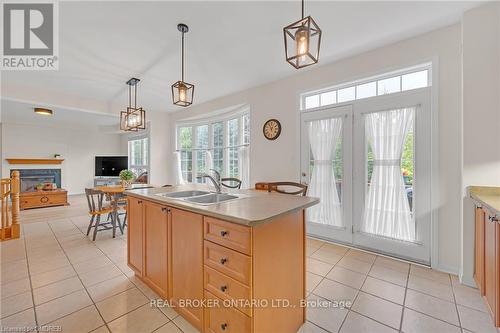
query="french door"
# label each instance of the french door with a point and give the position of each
(377, 151)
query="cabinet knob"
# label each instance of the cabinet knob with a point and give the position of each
(223, 289)
(223, 326)
(223, 233)
(223, 261)
(139, 201)
(164, 209)
(492, 218)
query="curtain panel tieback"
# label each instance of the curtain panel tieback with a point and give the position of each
(395, 162)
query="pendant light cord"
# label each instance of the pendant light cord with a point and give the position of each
(182, 57)
(302, 8)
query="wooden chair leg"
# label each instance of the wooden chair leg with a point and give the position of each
(97, 222)
(114, 216)
(90, 224)
(120, 225)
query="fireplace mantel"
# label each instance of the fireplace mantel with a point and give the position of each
(34, 160)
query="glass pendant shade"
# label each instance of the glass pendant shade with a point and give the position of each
(182, 93)
(302, 42)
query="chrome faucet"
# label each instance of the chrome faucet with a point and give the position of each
(216, 181)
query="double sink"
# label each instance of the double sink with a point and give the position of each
(200, 197)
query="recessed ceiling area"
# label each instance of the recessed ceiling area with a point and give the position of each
(231, 46)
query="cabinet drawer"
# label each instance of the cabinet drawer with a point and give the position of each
(219, 319)
(232, 263)
(228, 288)
(234, 236)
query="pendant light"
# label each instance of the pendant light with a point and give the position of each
(134, 119)
(302, 42)
(182, 92)
(44, 111)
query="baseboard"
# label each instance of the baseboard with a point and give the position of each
(467, 280)
(445, 269)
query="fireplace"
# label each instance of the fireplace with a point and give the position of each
(32, 177)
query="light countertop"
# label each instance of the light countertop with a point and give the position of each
(253, 208)
(489, 197)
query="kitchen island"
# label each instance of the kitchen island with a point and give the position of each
(234, 266)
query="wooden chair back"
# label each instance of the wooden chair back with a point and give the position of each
(94, 199)
(274, 186)
(231, 182)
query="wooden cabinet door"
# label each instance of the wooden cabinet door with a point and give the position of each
(135, 235)
(491, 282)
(479, 250)
(155, 247)
(186, 258)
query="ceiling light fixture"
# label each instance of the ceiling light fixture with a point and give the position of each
(134, 119)
(302, 42)
(43, 111)
(182, 92)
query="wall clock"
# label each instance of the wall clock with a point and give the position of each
(272, 129)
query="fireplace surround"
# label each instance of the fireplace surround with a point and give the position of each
(31, 177)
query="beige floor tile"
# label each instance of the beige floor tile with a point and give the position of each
(56, 289)
(383, 289)
(168, 311)
(13, 304)
(99, 275)
(143, 319)
(62, 306)
(393, 264)
(325, 315)
(360, 255)
(102, 329)
(312, 281)
(50, 264)
(335, 291)
(15, 287)
(378, 309)
(309, 327)
(326, 256)
(184, 325)
(346, 276)
(118, 305)
(389, 275)
(43, 279)
(430, 274)
(25, 318)
(356, 323)
(14, 271)
(355, 265)
(108, 288)
(318, 267)
(314, 243)
(432, 306)
(430, 287)
(338, 249)
(310, 250)
(469, 297)
(168, 328)
(476, 321)
(92, 264)
(83, 253)
(82, 321)
(415, 322)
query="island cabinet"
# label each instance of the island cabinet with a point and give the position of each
(487, 260)
(221, 276)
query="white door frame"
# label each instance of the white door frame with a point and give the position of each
(339, 234)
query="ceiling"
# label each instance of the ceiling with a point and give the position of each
(231, 46)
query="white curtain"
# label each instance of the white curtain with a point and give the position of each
(323, 137)
(244, 166)
(387, 211)
(179, 179)
(209, 161)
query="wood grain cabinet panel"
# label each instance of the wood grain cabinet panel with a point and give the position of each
(479, 250)
(232, 263)
(231, 235)
(155, 247)
(135, 235)
(186, 248)
(220, 319)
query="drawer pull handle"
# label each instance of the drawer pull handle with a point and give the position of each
(223, 233)
(223, 288)
(223, 326)
(223, 261)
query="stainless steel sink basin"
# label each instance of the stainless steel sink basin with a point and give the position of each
(183, 194)
(211, 198)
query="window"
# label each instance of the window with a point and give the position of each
(389, 83)
(223, 137)
(138, 156)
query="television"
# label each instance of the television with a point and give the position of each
(110, 166)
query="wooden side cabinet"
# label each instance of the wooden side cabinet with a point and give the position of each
(155, 240)
(135, 235)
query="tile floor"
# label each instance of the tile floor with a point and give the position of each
(55, 275)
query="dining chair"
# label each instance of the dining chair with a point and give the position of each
(274, 186)
(231, 182)
(95, 200)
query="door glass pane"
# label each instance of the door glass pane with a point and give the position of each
(390, 85)
(414, 80)
(346, 94)
(328, 98)
(186, 145)
(201, 143)
(311, 102)
(233, 142)
(218, 144)
(326, 171)
(366, 90)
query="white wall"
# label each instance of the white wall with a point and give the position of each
(77, 147)
(481, 115)
(279, 160)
